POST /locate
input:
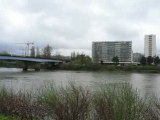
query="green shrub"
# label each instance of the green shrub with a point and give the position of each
(2, 117)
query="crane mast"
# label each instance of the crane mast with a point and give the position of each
(28, 47)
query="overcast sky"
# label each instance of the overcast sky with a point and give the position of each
(72, 25)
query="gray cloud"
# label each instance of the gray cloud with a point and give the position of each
(70, 25)
(121, 31)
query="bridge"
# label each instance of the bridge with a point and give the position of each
(32, 61)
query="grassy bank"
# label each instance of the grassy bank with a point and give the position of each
(103, 67)
(109, 102)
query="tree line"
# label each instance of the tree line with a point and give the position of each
(149, 60)
(46, 52)
(80, 59)
(143, 61)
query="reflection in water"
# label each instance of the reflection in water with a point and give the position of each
(148, 84)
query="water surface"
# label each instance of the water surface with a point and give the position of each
(147, 83)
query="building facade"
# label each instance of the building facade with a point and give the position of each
(150, 45)
(137, 57)
(105, 51)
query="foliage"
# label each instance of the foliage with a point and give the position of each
(47, 51)
(120, 102)
(115, 60)
(71, 103)
(143, 60)
(11, 64)
(104, 67)
(3, 117)
(117, 101)
(81, 59)
(33, 53)
(73, 55)
(38, 52)
(5, 53)
(149, 60)
(20, 105)
(156, 60)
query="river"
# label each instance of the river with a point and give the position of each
(145, 83)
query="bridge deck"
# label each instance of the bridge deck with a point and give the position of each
(29, 59)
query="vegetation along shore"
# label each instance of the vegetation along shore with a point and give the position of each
(109, 102)
(99, 67)
(84, 62)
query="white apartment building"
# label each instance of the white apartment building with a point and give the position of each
(150, 45)
(105, 51)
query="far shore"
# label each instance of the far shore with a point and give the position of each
(103, 67)
(96, 67)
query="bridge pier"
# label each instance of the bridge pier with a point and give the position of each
(25, 66)
(25, 69)
(37, 69)
(31, 65)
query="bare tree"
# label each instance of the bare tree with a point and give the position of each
(38, 52)
(115, 60)
(47, 51)
(33, 51)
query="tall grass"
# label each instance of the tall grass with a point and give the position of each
(19, 105)
(70, 103)
(110, 102)
(120, 102)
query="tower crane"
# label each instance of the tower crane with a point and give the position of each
(28, 46)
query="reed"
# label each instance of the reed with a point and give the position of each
(19, 105)
(69, 103)
(110, 102)
(120, 102)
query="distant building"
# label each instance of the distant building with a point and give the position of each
(137, 57)
(150, 45)
(105, 51)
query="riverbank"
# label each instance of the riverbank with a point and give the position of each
(111, 101)
(103, 67)
(92, 67)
